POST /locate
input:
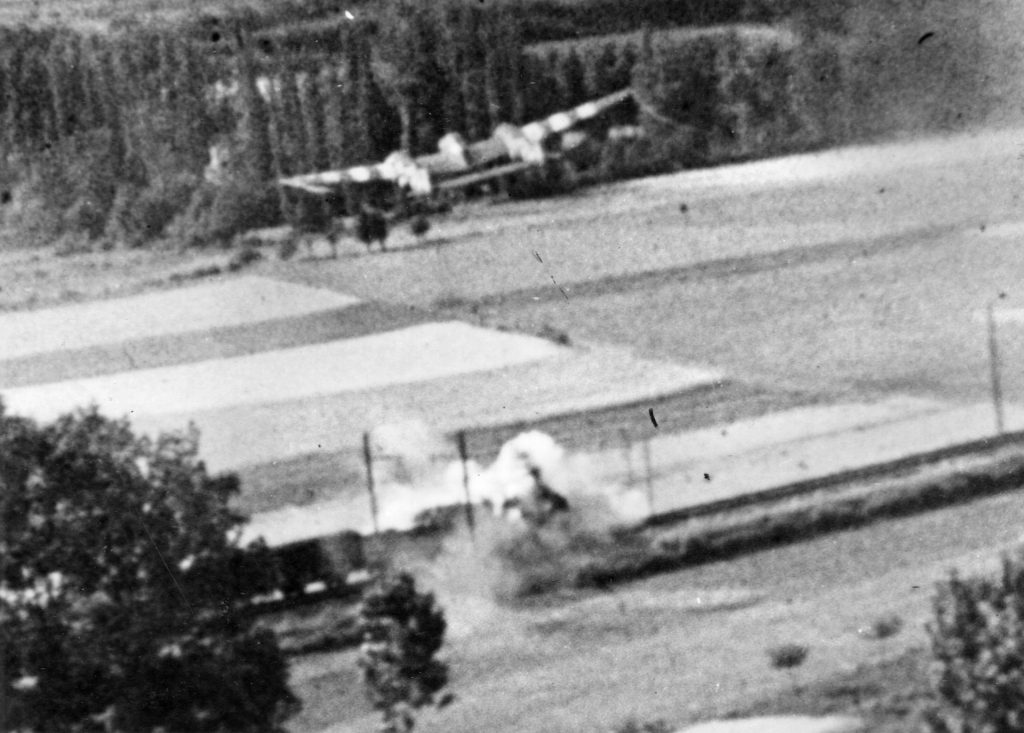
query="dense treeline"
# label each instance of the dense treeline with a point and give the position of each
(106, 136)
(105, 140)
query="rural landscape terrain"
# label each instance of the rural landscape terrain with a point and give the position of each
(767, 348)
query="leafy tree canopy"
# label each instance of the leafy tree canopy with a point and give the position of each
(123, 587)
(402, 629)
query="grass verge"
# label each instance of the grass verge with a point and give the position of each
(889, 695)
(705, 539)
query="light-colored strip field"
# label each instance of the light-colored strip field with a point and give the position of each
(688, 480)
(790, 426)
(522, 393)
(183, 310)
(410, 355)
(1006, 229)
(861, 160)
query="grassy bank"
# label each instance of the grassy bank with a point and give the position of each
(888, 695)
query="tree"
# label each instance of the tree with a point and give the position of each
(334, 116)
(254, 122)
(419, 226)
(574, 79)
(451, 53)
(402, 631)
(371, 226)
(472, 79)
(291, 130)
(540, 77)
(375, 128)
(123, 589)
(679, 86)
(312, 106)
(510, 43)
(604, 66)
(195, 126)
(407, 62)
(977, 638)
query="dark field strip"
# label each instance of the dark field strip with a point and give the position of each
(362, 319)
(725, 267)
(612, 427)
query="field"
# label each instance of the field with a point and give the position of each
(858, 274)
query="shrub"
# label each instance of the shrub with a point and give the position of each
(659, 151)
(439, 519)
(372, 226)
(244, 257)
(419, 226)
(635, 726)
(216, 214)
(85, 215)
(402, 630)
(977, 638)
(885, 626)
(187, 227)
(308, 214)
(787, 656)
(138, 215)
(239, 207)
(555, 177)
(72, 243)
(557, 335)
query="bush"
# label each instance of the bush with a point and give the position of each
(554, 178)
(372, 226)
(977, 638)
(239, 207)
(85, 216)
(216, 214)
(402, 630)
(123, 596)
(419, 226)
(556, 335)
(635, 726)
(659, 151)
(439, 519)
(787, 656)
(72, 243)
(247, 255)
(187, 227)
(139, 216)
(885, 626)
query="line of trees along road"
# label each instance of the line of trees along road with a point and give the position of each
(104, 139)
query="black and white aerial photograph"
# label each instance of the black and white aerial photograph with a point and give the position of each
(511, 366)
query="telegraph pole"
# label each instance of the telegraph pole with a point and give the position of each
(464, 458)
(993, 360)
(368, 457)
